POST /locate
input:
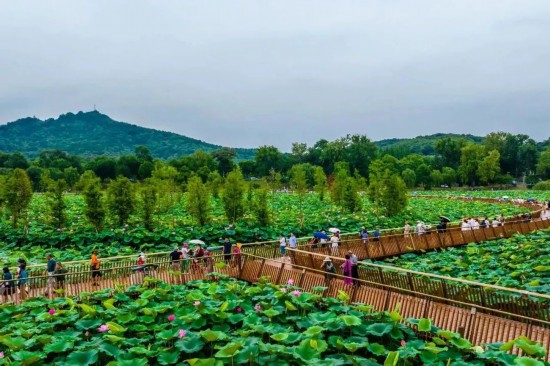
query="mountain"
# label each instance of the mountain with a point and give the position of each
(422, 144)
(91, 134)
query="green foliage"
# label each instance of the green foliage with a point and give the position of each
(93, 196)
(388, 193)
(409, 177)
(121, 199)
(198, 201)
(351, 201)
(56, 203)
(470, 159)
(215, 182)
(542, 186)
(236, 323)
(320, 183)
(489, 167)
(149, 199)
(261, 207)
(543, 165)
(17, 193)
(233, 195)
(298, 184)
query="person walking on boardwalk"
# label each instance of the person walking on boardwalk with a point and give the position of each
(364, 235)
(334, 245)
(185, 257)
(8, 287)
(328, 269)
(237, 255)
(59, 274)
(23, 278)
(96, 273)
(354, 268)
(227, 250)
(175, 257)
(292, 241)
(282, 244)
(346, 269)
(50, 269)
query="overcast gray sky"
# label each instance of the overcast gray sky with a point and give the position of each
(249, 73)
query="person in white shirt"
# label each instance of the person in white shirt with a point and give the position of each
(334, 245)
(495, 222)
(323, 241)
(407, 228)
(465, 226)
(282, 244)
(420, 228)
(185, 256)
(292, 241)
(475, 225)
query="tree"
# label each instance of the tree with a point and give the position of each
(388, 193)
(143, 154)
(320, 182)
(71, 176)
(146, 170)
(261, 206)
(215, 182)
(274, 180)
(436, 178)
(543, 166)
(198, 201)
(17, 194)
(93, 196)
(88, 177)
(298, 184)
(448, 176)
(224, 157)
(57, 203)
(449, 150)
(489, 167)
(149, 198)
(121, 199)
(423, 172)
(351, 201)
(409, 177)
(469, 163)
(233, 194)
(341, 174)
(267, 158)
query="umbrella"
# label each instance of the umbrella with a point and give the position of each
(320, 235)
(196, 241)
(445, 219)
(333, 230)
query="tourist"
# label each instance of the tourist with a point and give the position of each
(175, 257)
(323, 240)
(23, 278)
(94, 266)
(364, 235)
(420, 228)
(141, 262)
(226, 250)
(334, 245)
(50, 269)
(8, 287)
(282, 244)
(465, 226)
(313, 243)
(407, 228)
(376, 234)
(475, 225)
(237, 255)
(495, 222)
(328, 269)
(59, 274)
(198, 255)
(209, 262)
(354, 268)
(501, 219)
(185, 256)
(292, 241)
(346, 269)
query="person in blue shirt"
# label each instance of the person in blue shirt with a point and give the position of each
(227, 250)
(23, 278)
(50, 269)
(376, 234)
(292, 241)
(9, 285)
(364, 235)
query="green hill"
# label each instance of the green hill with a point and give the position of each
(422, 144)
(91, 134)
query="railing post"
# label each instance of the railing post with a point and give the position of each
(302, 275)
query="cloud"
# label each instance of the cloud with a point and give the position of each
(247, 73)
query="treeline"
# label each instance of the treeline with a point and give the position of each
(338, 169)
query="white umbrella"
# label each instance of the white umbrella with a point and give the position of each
(196, 241)
(333, 230)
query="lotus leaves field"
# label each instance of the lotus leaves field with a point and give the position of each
(522, 261)
(227, 323)
(541, 196)
(77, 240)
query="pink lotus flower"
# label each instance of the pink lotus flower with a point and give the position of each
(290, 282)
(171, 318)
(2, 355)
(103, 328)
(258, 307)
(255, 279)
(197, 303)
(283, 289)
(239, 309)
(51, 311)
(403, 343)
(296, 293)
(181, 333)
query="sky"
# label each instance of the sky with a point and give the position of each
(251, 73)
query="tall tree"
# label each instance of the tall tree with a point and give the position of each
(489, 167)
(17, 194)
(233, 195)
(149, 198)
(56, 203)
(267, 158)
(469, 163)
(409, 177)
(261, 206)
(121, 199)
(449, 150)
(298, 184)
(214, 183)
(93, 196)
(224, 157)
(198, 200)
(543, 165)
(341, 174)
(320, 183)
(388, 193)
(351, 201)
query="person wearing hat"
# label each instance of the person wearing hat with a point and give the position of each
(94, 266)
(50, 269)
(328, 269)
(59, 274)
(354, 268)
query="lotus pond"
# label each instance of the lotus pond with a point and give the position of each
(77, 240)
(521, 261)
(229, 322)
